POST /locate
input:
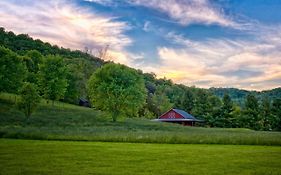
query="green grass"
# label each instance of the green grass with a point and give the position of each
(69, 122)
(60, 157)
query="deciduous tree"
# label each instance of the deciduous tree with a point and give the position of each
(52, 78)
(29, 99)
(117, 89)
(12, 71)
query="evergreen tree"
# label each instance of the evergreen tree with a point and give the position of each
(187, 101)
(251, 112)
(201, 106)
(266, 117)
(226, 110)
(276, 110)
(214, 112)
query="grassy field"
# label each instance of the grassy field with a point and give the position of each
(66, 157)
(69, 122)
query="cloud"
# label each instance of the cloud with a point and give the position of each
(189, 11)
(65, 24)
(184, 12)
(146, 26)
(249, 64)
(103, 2)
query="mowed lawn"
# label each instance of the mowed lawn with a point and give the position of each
(67, 157)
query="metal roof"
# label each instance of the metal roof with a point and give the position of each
(184, 114)
(176, 120)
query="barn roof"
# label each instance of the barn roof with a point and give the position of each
(184, 114)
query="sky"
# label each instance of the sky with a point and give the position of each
(202, 43)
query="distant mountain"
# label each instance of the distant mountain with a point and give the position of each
(238, 95)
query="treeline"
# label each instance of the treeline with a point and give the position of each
(80, 66)
(62, 74)
(258, 114)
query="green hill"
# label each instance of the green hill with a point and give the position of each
(69, 122)
(261, 113)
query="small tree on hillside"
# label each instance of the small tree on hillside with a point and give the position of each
(117, 89)
(29, 99)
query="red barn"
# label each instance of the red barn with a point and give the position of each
(178, 116)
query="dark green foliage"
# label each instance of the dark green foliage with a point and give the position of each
(187, 101)
(36, 57)
(34, 52)
(214, 116)
(117, 89)
(238, 95)
(80, 71)
(52, 78)
(160, 101)
(75, 86)
(201, 104)
(23, 43)
(29, 99)
(276, 110)
(226, 111)
(266, 117)
(251, 112)
(12, 71)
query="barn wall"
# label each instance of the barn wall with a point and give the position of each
(171, 115)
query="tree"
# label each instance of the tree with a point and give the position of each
(160, 101)
(12, 71)
(213, 118)
(187, 101)
(32, 60)
(76, 84)
(276, 110)
(36, 57)
(201, 106)
(52, 78)
(117, 89)
(29, 99)
(266, 117)
(226, 111)
(251, 112)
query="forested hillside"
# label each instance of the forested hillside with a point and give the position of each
(238, 95)
(62, 74)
